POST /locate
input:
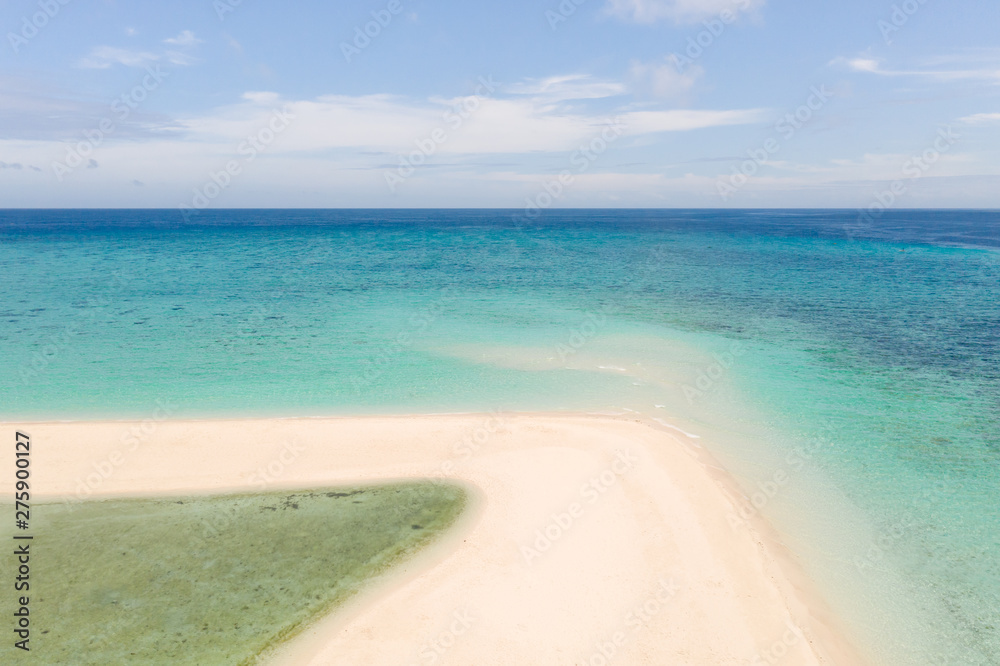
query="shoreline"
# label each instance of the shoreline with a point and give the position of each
(734, 594)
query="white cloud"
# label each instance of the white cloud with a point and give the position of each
(263, 97)
(103, 57)
(663, 80)
(337, 148)
(178, 58)
(567, 87)
(981, 119)
(680, 11)
(989, 72)
(172, 168)
(863, 65)
(649, 122)
(186, 38)
(495, 125)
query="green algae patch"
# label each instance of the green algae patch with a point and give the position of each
(208, 580)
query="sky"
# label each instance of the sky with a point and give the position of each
(196, 104)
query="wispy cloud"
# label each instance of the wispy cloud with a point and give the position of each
(662, 79)
(649, 122)
(185, 39)
(860, 64)
(679, 11)
(980, 71)
(981, 119)
(524, 120)
(103, 57)
(567, 87)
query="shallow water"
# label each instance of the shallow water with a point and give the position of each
(211, 580)
(858, 364)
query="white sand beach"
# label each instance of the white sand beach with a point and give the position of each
(591, 540)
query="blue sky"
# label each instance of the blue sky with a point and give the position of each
(228, 103)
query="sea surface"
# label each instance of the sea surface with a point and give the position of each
(847, 373)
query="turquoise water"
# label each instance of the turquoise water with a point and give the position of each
(849, 376)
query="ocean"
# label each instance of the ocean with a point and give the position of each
(847, 372)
